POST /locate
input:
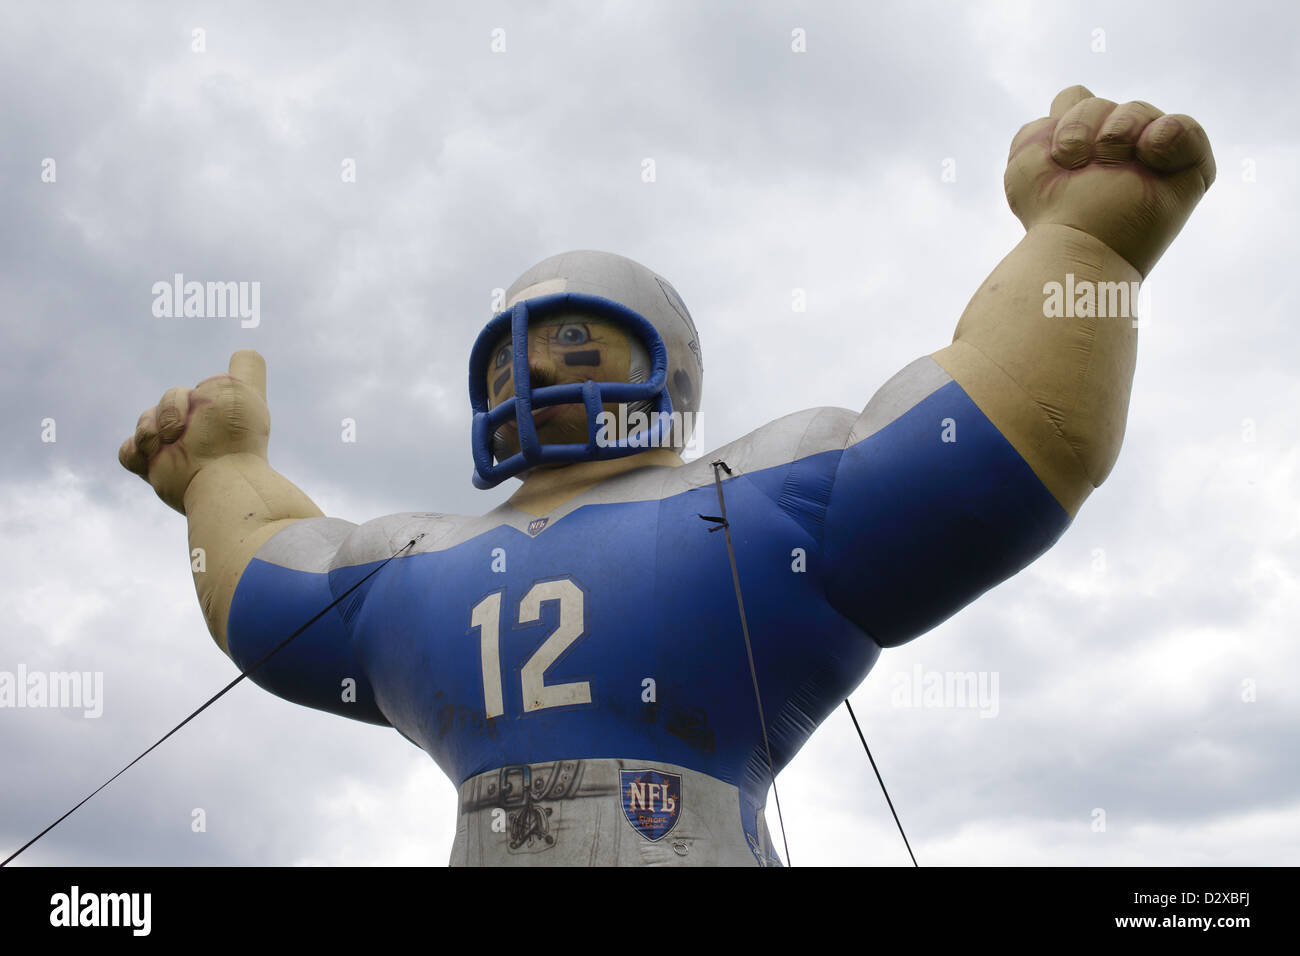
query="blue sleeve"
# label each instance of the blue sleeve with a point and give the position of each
(286, 585)
(930, 507)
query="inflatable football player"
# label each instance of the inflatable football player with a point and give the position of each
(575, 660)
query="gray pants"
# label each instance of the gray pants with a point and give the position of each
(571, 813)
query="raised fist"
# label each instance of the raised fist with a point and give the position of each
(190, 427)
(1127, 175)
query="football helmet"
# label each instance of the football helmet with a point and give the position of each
(666, 378)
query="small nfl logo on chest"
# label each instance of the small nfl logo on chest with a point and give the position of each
(652, 801)
(535, 527)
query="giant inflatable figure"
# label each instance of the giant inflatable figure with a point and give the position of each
(575, 660)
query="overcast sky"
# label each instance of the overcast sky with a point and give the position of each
(1146, 665)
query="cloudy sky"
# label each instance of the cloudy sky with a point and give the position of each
(1146, 665)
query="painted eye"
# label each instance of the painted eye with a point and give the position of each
(503, 357)
(572, 334)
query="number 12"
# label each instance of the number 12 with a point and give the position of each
(538, 694)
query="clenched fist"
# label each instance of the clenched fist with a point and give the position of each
(191, 427)
(1127, 175)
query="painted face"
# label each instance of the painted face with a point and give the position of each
(561, 350)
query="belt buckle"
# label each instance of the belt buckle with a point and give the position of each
(510, 796)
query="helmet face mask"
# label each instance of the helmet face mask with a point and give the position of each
(557, 308)
(527, 398)
(570, 347)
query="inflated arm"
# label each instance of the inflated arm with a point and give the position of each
(1048, 344)
(234, 506)
(203, 450)
(971, 462)
(1057, 388)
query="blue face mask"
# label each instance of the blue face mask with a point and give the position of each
(593, 395)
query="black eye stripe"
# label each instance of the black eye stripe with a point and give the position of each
(501, 380)
(588, 357)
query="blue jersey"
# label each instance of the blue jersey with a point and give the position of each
(608, 630)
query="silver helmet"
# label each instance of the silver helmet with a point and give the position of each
(667, 373)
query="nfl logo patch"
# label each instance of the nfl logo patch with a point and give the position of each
(652, 801)
(535, 527)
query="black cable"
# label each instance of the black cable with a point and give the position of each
(275, 650)
(882, 782)
(744, 627)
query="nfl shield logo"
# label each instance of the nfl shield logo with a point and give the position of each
(535, 527)
(652, 801)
